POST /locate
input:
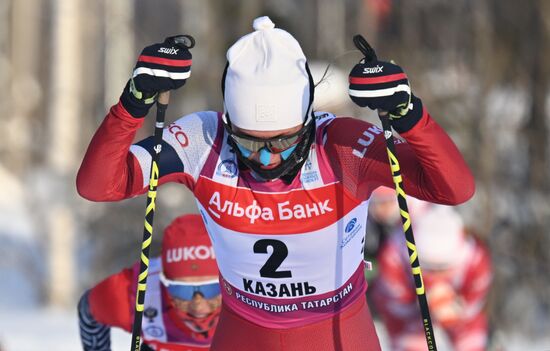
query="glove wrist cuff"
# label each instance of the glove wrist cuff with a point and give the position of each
(135, 102)
(411, 118)
(146, 98)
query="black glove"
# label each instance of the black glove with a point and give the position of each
(383, 86)
(160, 67)
(380, 85)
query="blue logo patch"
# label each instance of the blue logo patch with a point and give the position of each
(154, 331)
(350, 225)
(309, 174)
(227, 168)
(352, 228)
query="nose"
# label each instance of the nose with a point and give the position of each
(265, 156)
(198, 305)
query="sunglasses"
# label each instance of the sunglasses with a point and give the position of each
(274, 145)
(185, 290)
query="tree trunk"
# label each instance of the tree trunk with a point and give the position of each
(26, 92)
(331, 25)
(120, 53)
(536, 130)
(64, 114)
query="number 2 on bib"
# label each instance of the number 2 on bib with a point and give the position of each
(280, 252)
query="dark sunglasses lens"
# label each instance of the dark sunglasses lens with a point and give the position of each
(210, 291)
(186, 292)
(275, 145)
(283, 144)
(251, 145)
(181, 292)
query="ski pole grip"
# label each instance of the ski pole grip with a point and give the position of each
(164, 97)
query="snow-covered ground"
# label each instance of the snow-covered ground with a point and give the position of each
(47, 329)
(51, 329)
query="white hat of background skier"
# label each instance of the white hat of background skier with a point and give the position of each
(439, 236)
(267, 86)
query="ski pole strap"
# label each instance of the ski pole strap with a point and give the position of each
(407, 229)
(365, 48)
(162, 105)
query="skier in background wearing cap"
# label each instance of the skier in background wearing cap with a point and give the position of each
(183, 299)
(283, 189)
(457, 273)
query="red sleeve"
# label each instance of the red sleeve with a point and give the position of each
(111, 300)
(432, 167)
(109, 172)
(478, 278)
(397, 282)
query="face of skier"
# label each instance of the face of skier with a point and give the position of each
(384, 209)
(197, 297)
(267, 148)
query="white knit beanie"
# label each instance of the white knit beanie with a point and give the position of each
(439, 237)
(267, 86)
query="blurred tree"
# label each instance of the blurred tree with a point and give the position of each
(481, 66)
(120, 51)
(534, 58)
(24, 90)
(64, 117)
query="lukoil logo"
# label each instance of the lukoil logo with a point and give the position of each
(200, 252)
(178, 133)
(365, 140)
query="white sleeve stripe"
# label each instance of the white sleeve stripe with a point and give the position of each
(145, 159)
(161, 73)
(380, 92)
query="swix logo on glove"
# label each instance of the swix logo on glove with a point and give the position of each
(376, 69)
(169, 51)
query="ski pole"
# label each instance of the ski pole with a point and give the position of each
(414, 261)
(187, 42)
(162, 105)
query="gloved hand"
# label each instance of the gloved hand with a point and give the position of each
(446, 307)
(383, 86)
(160, 67)
(380, 85)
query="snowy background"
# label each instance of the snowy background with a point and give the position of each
(481, 67)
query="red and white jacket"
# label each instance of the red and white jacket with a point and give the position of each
(289, 254)
(112, 302)
(456, 296)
